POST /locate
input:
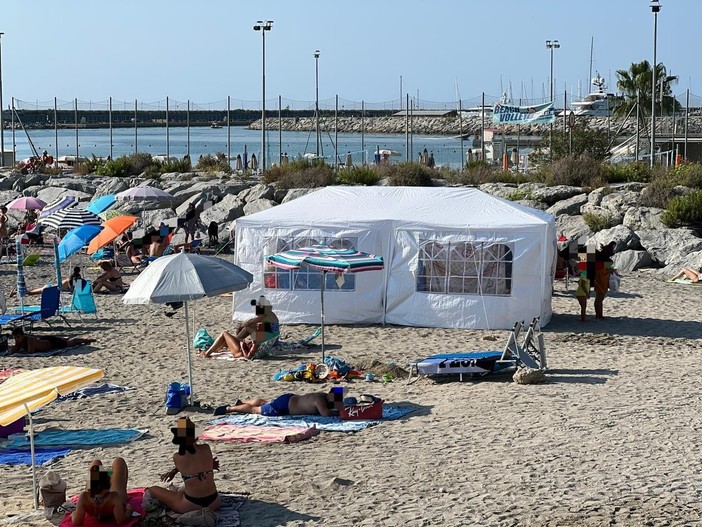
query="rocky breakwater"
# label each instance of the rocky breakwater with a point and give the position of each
(642, 240)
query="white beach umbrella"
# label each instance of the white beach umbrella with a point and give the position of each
(183, 277)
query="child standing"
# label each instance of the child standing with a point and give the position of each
(582, 294)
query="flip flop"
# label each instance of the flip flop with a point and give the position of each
(220, 410)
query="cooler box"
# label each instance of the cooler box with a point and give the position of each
(13, 428)
(363, 411)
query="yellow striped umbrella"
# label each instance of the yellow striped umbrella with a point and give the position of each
(25, 392)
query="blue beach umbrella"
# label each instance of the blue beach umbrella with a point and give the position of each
(56, 205)
(101, 204)
(76, 239)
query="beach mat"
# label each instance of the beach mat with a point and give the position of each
(246, 433)
(683, 281)
(90, 391)
(327, 424)
(76, 438)
(135, 498)
(43, 456)
(281, 345)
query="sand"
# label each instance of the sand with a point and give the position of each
(610, 438)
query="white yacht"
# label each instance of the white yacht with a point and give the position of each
(597, 103)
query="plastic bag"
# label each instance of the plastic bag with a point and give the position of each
(202, 340)
(614, 281)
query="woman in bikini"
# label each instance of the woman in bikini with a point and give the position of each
(196, 466)
(105, 496)
(110, 279)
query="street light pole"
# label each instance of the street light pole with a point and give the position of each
(655, 8)
(2, 121)
(263, 26)
(316, 103)
(551, 45)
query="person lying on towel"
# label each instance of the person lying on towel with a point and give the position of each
(196, 465)
(318, 403)
(264, 326)
(31, 344)
(105, 496)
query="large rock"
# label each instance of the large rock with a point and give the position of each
(532, 204)
(252, 207)
(630, 260)
(570, 206)
(83, 185)
(573, 227)
(8, 182)
(155, 217)
(624, 238)
(614, 217)
(110, 185)
(670, 246)
(501, 190)
(257, 192)
(551, 195)
(644, 218)
(230, 208)
(693, 260)
(49, 194)
(295, 193)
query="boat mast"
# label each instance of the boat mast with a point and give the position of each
(592, 45)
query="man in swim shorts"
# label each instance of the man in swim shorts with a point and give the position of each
(318, 403)
(31, 344)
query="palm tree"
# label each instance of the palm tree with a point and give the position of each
(636, 83)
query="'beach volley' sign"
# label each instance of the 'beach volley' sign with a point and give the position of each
(537, 114)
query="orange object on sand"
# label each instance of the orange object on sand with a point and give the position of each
(111, 230)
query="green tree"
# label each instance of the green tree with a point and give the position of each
(581, 140)
(636, 83)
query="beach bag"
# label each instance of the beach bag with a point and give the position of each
(338, 365)
(53, 489)
(202, 340)
(176, 397)
(614, 281)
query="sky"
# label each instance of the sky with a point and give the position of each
(373, 51)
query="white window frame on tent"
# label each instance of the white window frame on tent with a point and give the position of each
(465, 268)
(305, 278)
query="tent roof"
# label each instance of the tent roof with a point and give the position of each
(451, 207)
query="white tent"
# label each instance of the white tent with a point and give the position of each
(454, 258)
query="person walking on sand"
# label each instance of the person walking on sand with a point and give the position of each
(582, 294)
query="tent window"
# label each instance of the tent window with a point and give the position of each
(472, 268)
(305, 278)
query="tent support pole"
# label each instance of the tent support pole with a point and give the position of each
(321, 289)
(35, 490)
(191, 397)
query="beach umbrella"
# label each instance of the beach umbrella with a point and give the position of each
(144, 194)
(254, 162)
(109, 214)
(101, 204)
(57, 204)
(75, 239)
(239, 165)
(183, 277)
(326, 259)
(26, 203)
(70, 218)
(57, 264)
(21, 283)
(111, 230)
(25, 392)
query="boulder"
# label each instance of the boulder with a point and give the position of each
(295, 193)
(630, 260)
(573, 227)
(279, 194)
(595, 197)
(259, 191)
(670, 246)
(643, 218)
(110, 185)
(9, 180)
(552, 195)
(228, 209)
(156, 216)
(258, 205)
(532, 204)
(49, 194)
(624, 237)
(570, 206)
(693, 260)
(614, 217)
(83, 185)
(501, 190)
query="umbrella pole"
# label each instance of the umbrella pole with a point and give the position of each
(321, 289)
(187, 347)
(35, 490)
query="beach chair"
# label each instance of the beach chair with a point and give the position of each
(125, 264)
(82, 301)
(265, 349)
(31, 259)
(50, 300)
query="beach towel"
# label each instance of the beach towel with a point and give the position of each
(279, 345)
(244, 433)
(6, 373)
(43, 456)
(327, 424)
(684, 281)
(89, 391)
(76, 438)
(135, 498)
(227, 516)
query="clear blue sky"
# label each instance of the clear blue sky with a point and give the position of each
(205, 50)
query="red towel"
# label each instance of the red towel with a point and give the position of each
(136, 496)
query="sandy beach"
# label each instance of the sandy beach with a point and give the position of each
(609, 439)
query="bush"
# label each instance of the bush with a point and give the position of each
(211, 163)
(684, 210)
(301, 173)
(626, 173)
(582, 171)
(689, 175)
(177, 165)
(597, 222)
(90, 166)
(359, 176)
(125, 166)
(408, 175)
(660, 190)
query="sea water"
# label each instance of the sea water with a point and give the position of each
(205, 140)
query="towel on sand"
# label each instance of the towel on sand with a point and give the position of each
(76, 438)
(243, 433)
(227, 516)
(280, 345)
(43, 456)
(328, 424)
(96, 389)
(135, 498)
(6, 373)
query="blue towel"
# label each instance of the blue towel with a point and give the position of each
(76, 438)
(329, 424)
(89, 391)
(43, 456)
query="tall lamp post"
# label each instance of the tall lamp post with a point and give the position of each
(655, 8)
(551, 45)
(263, 26)
(2, 122)
(316, 100)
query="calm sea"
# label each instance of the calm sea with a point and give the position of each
(205, 140)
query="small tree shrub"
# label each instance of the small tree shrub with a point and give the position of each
(301, 174)
(659, 191)
(177, 165)
(582, 171)
(597, 222)
(684, 210)
(689, 175)
(408, 175)
(625, 173)
(212, 163)
(125, 166)
(90, 166)
(362, 175)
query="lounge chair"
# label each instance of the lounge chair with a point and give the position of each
(125, 264)
(82, 301)
(50, 298)
(265, 349)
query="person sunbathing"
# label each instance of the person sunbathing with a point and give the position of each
(66, 285)
(105, 496)
(110, 279)
(688, 272)
(250, 334)
(318, 403)
(196, 466)
(31, 344)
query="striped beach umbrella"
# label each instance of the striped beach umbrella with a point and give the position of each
(25, 392)
(326, 259)
(57, 204)
(57, 264)
(70, 218)
(21, 283)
